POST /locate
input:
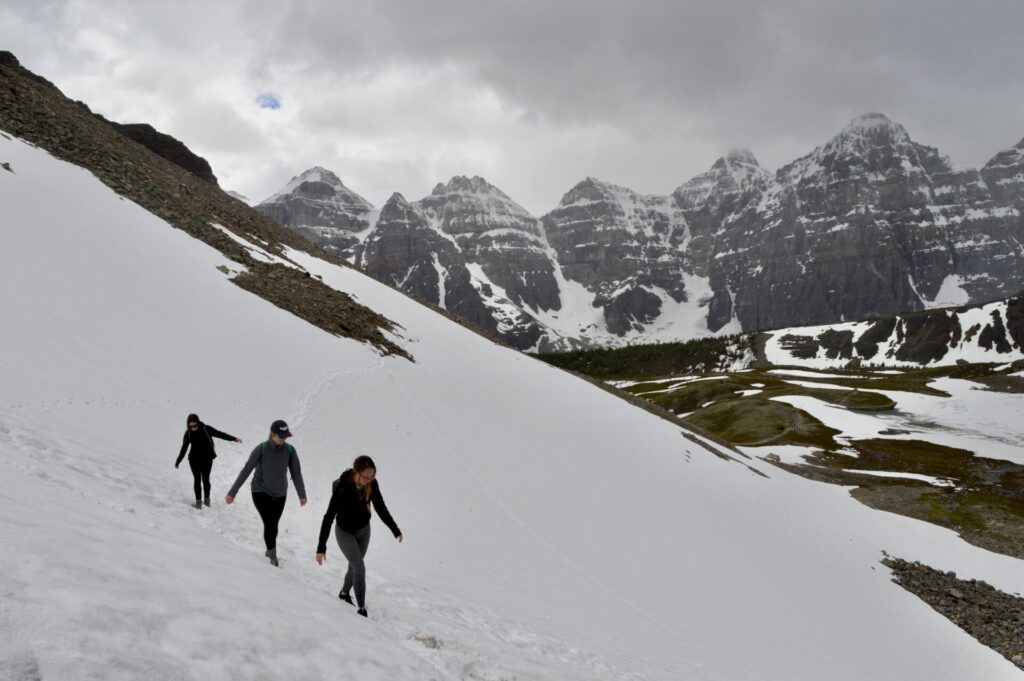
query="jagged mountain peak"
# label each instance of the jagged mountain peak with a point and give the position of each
(867, 131)
(1013, 156)
(593, 189)
(736, 171)
(473, 205)
(872, 145)
(397, 210)
(469, 185)
(740, 155)
(320, 184)
(396, 200)
(872, 120)
(473, 191)
(319, 174)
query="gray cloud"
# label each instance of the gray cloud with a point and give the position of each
(532, 95)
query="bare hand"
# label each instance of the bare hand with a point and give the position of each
(238, 440)
(176, 465)
(320, 558)
(399, 538)
(302, 502)
(229, 500)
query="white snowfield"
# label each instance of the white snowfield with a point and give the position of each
(552, 531)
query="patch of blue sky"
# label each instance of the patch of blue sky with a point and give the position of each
(268, 100)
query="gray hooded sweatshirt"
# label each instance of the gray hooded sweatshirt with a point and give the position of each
(272, 464)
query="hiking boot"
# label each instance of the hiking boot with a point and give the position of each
(362, 611)
(206, 501)
(273, 561)
(345, 597)
(198, 504)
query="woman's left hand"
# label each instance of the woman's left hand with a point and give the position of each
(399, 538)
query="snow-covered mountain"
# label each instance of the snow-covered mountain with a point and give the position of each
(869, 224)
(552, 530)
(318, 205)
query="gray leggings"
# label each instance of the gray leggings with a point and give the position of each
(354, 545)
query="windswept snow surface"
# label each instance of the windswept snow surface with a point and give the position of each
(552, 531)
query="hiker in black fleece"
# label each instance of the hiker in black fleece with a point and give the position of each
(199, 436)
(353, 493)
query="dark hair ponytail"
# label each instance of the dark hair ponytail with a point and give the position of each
(363, 462)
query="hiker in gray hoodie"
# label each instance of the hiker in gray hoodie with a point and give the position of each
(272, 460)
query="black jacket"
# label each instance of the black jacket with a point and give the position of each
(201, 440)
(352, 510)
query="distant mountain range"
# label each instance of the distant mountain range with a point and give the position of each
(869, 224)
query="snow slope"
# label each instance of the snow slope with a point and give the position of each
(552, 530)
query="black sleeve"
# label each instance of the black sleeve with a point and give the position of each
(382, 510)
(184, 448)
(329, 516)
(216, 433)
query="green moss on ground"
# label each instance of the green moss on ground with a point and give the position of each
(754, 422)
(691, 396)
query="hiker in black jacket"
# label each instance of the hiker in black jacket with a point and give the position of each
(353, 493)
(199, 436)
(272, 461)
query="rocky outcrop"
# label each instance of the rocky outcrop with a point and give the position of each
(168, 147)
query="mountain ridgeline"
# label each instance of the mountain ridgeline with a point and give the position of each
(869, 224)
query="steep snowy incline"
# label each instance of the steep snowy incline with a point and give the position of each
(552, 530)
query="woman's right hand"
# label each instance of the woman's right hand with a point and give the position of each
(320, 558)
(228, 499)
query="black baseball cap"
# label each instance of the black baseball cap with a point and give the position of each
(280, 428)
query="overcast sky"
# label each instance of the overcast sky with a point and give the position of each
(532, 95)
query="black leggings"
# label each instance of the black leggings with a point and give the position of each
(354, 545)
(201, 474)
(270, 510)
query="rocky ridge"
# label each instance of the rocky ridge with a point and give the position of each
(166, 146)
